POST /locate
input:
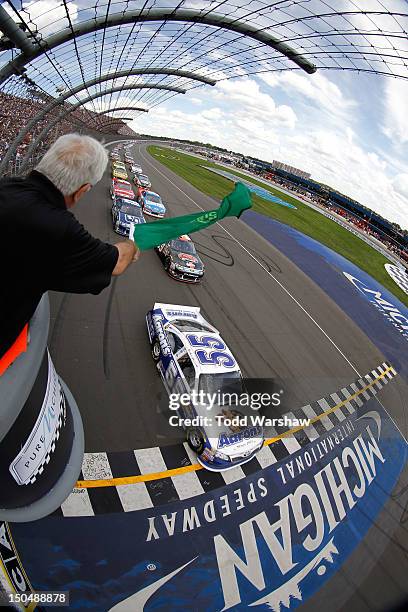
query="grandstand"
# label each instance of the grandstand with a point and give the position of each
(17, 110)
(390, 234)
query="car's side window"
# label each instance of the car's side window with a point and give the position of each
(188, 370)
(172, 341)
(175, 342)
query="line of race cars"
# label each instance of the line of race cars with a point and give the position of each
(190, 355)
(180, 258)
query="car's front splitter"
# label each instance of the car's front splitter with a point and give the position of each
(223, 466)
(152, 214)
(192, 281)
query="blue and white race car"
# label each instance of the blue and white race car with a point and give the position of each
(193, 359)
(124, 213)
(151, 203)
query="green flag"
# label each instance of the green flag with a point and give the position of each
(149, 235)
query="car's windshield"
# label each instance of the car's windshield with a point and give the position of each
(143, 177)
(123, 185)
(128, 209)
(151, 197)
(190, 326)
(122, 201)
(228, 383)
(183, 246)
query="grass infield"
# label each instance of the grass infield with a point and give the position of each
(304, 219)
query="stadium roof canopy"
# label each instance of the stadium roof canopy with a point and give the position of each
(60, 45)
(100, 55)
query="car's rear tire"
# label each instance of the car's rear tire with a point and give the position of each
(195, 440)
(156, 350)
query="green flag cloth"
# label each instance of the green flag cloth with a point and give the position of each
(149, 235)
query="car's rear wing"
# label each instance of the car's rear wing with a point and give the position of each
(177, 311)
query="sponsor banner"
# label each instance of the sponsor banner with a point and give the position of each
(388, 309)
(36, 451)
(376, 310)
(269, 541)
(14, 577)
(399, 275)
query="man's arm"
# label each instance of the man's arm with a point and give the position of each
(128, 252)
(82, 263)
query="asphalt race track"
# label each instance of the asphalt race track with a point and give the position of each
(277, 322)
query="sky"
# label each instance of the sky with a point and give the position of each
(348, 130)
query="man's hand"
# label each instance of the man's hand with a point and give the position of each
(128, 252)
(131, 231)
(136, 255)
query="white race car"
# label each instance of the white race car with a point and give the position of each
(192, 358)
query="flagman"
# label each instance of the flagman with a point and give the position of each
(43, 247)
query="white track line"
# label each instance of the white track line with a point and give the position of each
(338, 349)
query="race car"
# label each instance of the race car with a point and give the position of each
(119, 173)
(191, 356)
(118, 165)
(135, 168)
(181, 260)
(151, 203)
(121, 189)
(121, 201)
(125, 212)
(142, 180)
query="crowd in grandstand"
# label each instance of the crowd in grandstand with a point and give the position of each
(16, 112)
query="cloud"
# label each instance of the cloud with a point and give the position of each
(44, 13)
(400, 184)
(395, 125)
(247, 98)
(315, 89)
(235, 115)
(212, 114)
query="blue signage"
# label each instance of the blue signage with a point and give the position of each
(375, 309)
(260, 191)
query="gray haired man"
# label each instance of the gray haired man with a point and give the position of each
(43, 246)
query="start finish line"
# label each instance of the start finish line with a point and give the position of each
(268, 541)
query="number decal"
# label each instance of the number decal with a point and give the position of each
(215, 358)
(206, 341)
(213, 351)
